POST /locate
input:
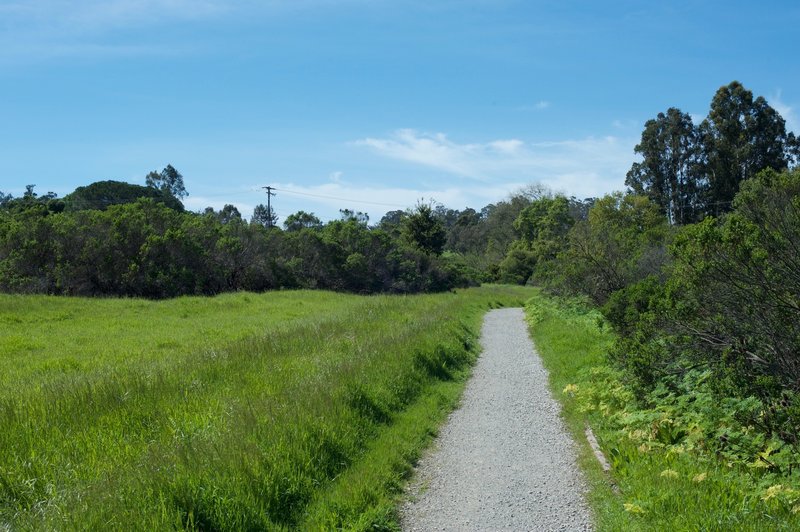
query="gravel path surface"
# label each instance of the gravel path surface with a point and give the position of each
(503, 461)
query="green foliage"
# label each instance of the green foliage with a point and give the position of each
(424, 230)
(360, 218)
(623, 241)
(143, 248)
(229, 213)
(103, 194)
(740, 137)
(542, 227)
(264, 216)
(301, 220)
(282, 410)
(670, 173)
(31, 204)
(682, 457)
(169, 181)
(691, 171)
(544, 222)
(741, 283)
(518, 265)
(730, 303)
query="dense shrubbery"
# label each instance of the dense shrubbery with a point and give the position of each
(730, 302)
(146, 248)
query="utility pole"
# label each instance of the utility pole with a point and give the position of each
(270, 193)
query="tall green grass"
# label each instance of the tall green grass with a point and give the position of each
(665, 475)
(260, 412)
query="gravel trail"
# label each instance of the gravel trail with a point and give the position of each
(503, 460)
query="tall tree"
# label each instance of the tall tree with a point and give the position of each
(228, 214)
(391, 222)
(669, 172)
(359, 217)
(424, 229)
(264, 215)
(740, 137)
(302, 220)
(168, 180)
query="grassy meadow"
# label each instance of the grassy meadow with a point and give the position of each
(274, 411)
(666, 473)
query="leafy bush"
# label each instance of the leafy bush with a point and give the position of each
(741, 277)
(682, 456)
(731, 303)
(622, 242)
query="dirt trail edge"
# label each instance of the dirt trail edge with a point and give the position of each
(503, 460)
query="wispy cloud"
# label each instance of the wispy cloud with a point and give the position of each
(625, 124)
(54, 29)
(787, 111)
(586, 167)
(541, 105)
(434, 150)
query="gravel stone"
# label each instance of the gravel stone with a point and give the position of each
(503, 460)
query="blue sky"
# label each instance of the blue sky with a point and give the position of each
(369, 105)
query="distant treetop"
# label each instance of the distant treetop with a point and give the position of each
(102, 194)
(168, 180)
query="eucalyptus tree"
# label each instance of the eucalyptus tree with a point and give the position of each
(264, 215)
(168, 180)
(740, 137)
(670, 172)
(301, 220)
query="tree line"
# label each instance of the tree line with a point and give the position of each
(123, 239)
(692, 171)
(145, 244)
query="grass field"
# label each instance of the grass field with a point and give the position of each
(663, 476)
(274, 411)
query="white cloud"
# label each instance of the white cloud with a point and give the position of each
(626, 124)
(586, 167)
(541, 105)
(53, 29)
(507, 146)
(786, 111)
(430, 150)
